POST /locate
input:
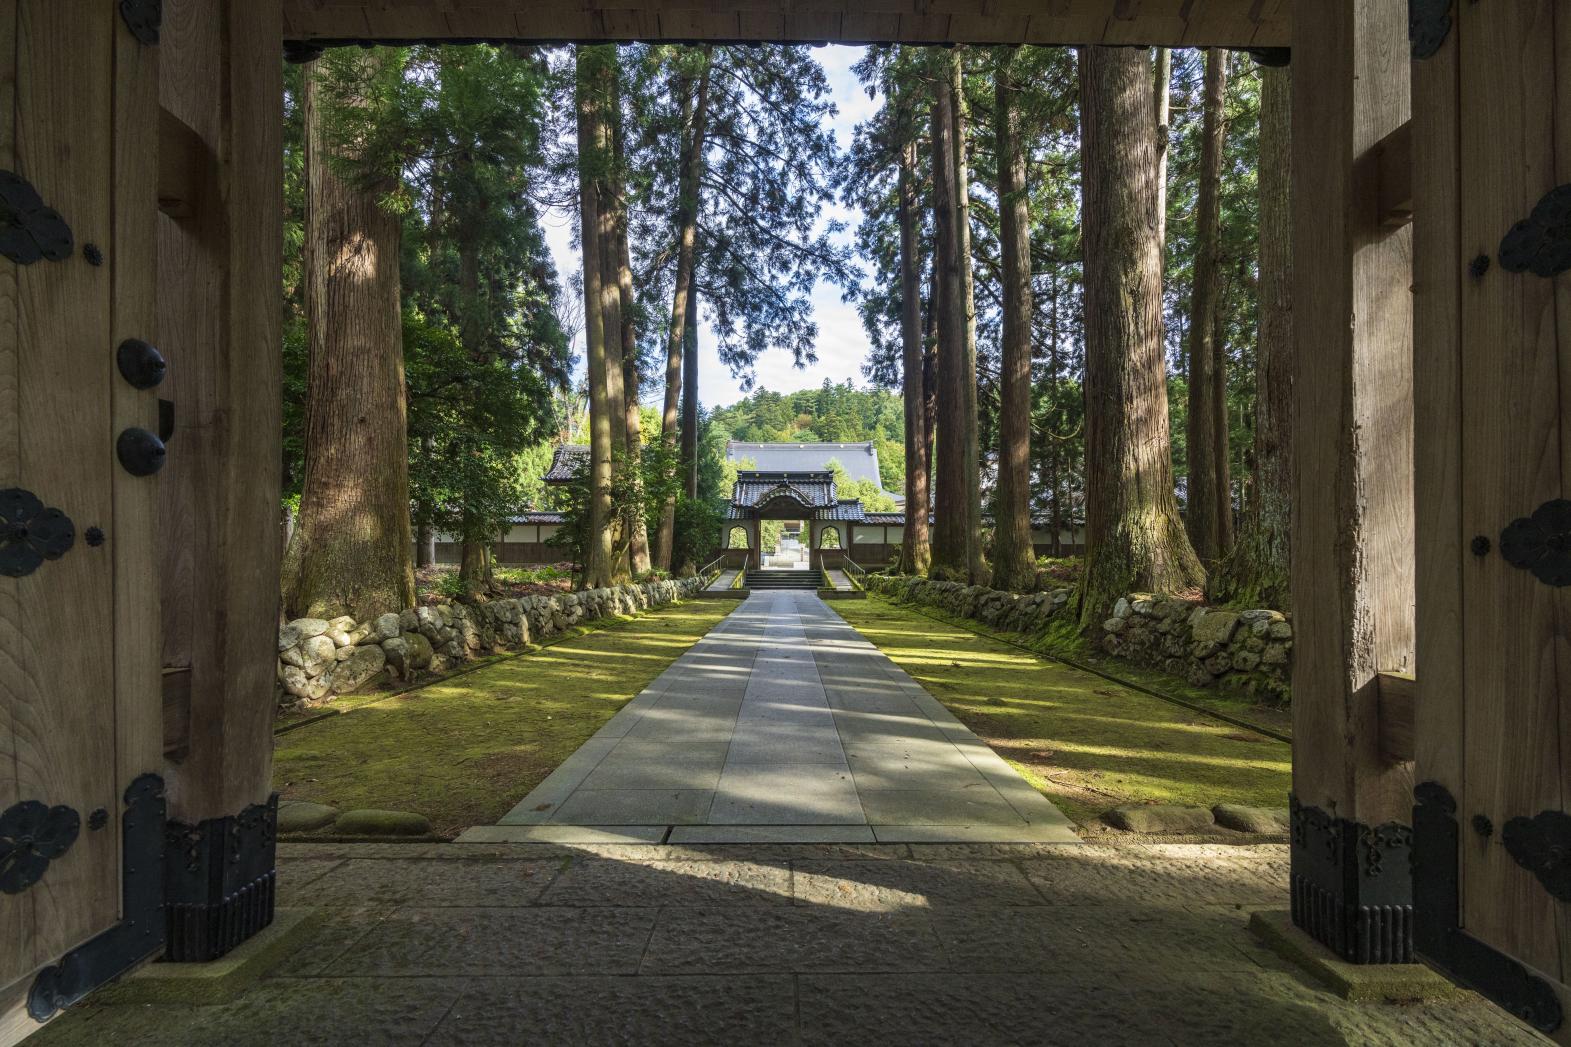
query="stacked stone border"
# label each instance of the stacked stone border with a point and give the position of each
(319, 659)
(1246, 651)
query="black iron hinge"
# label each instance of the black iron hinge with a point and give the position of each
(140, 932)
(29, 230)
(144, 18)
(1439, 936)
(1428, 23)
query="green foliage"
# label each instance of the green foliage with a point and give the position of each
(698, 527)
(448, 584)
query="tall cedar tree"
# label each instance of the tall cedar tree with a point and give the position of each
(1014, 559)
(916, 549)
(956, 537)
(598, 566)
(1208, 514)
(693, 99)
(1256, 572)
(350, 552)
(1135, 539)
(616, 319)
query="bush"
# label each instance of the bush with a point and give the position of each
(450, 585)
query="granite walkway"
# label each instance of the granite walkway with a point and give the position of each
(782, 725)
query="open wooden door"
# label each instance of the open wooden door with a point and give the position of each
(81, 806)
(1492, 364)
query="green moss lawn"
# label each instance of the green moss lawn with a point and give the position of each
(463, 751)
(1088, 744)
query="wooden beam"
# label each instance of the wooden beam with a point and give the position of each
(218, 316)
(1398, 694)
(1173, 23)
(1352, 528)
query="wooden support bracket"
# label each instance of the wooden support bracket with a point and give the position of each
(186, 167)
(1398, 697)
(1394, 164)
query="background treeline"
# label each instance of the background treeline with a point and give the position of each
(1106, 297)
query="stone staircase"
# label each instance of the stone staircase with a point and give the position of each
(767, 579)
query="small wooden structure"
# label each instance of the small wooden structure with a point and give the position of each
(141, 145)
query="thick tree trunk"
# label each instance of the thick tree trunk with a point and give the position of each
(1202, 515)
(955, 539)
(1054, 485)
(350, 553)
(425, 546)
(1014, 562)
(598, 543)
(976, 569)
(690, 399)
(916, 552)
(694, 123)
(638, 537)
(1221, 466)
(1256, 572)
(1162, 94)
(1135, 539)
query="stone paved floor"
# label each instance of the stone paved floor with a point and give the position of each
(783, 944)
(783, 725)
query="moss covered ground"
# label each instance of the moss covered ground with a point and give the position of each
(1088, 744)
(463, 751)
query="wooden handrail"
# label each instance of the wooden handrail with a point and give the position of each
(1397, 698)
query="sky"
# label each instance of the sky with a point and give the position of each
(842, 344)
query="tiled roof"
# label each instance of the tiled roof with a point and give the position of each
(568, 461)
(537, 516)
(846, 509)
(887, 519)
(860, 460)
(756, 487)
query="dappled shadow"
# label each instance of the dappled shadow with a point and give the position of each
(865, 945)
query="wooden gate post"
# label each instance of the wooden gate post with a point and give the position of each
(1352, 570)
(220, 259)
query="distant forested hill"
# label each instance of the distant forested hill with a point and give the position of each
(829, 414)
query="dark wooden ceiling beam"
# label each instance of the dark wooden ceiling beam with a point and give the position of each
(1188, 23)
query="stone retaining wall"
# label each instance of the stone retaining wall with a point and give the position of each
(1249, 651)
(319, 659)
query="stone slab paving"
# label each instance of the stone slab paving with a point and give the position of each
(783, 725)
(866, 944)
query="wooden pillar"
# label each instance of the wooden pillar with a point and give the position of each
(1352, 569)
(218, 311)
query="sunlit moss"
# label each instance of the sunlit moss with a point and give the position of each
(1088, 744)
(463, 751)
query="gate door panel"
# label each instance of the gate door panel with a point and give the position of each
(1493, 377)
(79, 705)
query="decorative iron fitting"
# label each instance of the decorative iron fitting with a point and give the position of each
(30, 533)
(1541, 543)
(140, 364)
(1352, 889)
(140, 932)
(1441, 940)
(1541, 242)
(1271, 57)
(220, 881)
(144, 18)
(29, 231)
(1428, 23)
(1542, 845)
(31, 836)
(141, 453)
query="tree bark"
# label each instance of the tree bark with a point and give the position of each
(638, 538)
(690, 399)
(1162, 93)
(598, 545)
(350, 553)
(915, 548)
(1014, 561)
(1135, 539)
(955, 543)
(1256, 572)
(976, 569)
(1204, 496)
(694, 122)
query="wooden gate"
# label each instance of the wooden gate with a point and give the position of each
(79, 675)
(1492, 367)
